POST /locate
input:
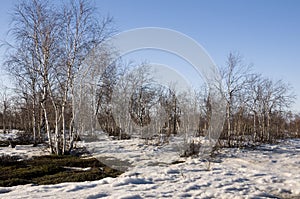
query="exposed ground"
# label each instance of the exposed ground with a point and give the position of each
(52, 170)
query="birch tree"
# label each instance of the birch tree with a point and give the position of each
(51, 44)
(81, 32)
(234, 75)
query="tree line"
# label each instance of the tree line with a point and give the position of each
(55, 100)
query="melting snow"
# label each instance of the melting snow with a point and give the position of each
(270, 171)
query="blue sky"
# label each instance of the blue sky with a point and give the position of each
(265, 32)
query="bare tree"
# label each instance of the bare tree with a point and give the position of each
(133, 79)
(273, 97)
(95, 83)
(235, 80)
(5, 104)
(52, 43)
(81, 31)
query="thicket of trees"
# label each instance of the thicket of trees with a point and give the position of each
(56, 98)
(50, 44)
(257, 107)
(130, 102)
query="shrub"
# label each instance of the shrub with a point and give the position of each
(190, 149)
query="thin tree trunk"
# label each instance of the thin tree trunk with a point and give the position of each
(48, 128)
(34, 123)
(228, 123)
(254, 127)
(63, 128)
(4, 116)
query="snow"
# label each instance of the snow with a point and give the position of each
(8, 136)
(270, 171)
(22, 151)
(78, 168)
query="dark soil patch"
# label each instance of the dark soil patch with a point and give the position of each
(52, 170)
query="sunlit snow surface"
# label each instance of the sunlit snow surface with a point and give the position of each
(270, 171)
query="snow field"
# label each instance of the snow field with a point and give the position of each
(267, 172)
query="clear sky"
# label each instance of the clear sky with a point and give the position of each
(265, 32)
